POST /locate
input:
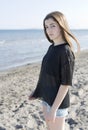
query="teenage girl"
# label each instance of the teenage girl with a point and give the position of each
(56, 71)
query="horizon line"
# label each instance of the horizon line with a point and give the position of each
(39, 29)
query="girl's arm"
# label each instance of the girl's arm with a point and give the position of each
(60, 96)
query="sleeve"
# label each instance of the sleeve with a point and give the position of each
(37, 92)
(67, 68)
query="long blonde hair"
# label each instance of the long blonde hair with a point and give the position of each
(66, 33)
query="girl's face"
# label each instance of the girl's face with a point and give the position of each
(53, 29)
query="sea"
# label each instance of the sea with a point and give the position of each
(21, 47)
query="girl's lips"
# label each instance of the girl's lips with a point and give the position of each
(50, 34)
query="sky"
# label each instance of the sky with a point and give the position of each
(29, 14)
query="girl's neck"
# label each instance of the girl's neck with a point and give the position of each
(59, 42)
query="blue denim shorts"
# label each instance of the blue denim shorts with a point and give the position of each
(60, 112)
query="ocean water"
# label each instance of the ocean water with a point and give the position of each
(20, 47)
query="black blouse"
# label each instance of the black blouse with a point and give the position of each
(56, 69)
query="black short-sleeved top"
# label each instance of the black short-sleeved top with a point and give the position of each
(56, 69)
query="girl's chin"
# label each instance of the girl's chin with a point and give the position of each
(51, 38)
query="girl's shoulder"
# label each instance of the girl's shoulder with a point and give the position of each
(65, 51)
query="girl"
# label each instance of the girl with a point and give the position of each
(56, 71)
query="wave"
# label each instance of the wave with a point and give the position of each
(2, 41)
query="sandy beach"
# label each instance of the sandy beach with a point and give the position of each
(18, 113)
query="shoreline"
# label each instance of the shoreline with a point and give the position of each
(9, 70)
(17, 112)
(28, 64)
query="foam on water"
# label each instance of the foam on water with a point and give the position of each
(18, 47)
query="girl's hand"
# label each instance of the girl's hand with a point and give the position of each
(30, 97)
(50, 116)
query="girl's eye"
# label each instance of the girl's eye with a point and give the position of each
(52, 26)
(46, 27)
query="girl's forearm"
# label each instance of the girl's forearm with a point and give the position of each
(60, 96)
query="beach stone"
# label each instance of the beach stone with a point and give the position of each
(31, 123)
(18, 126)
(73, 98)
(67, 127)
(71, 121)
(80, 93)
(1, 128)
